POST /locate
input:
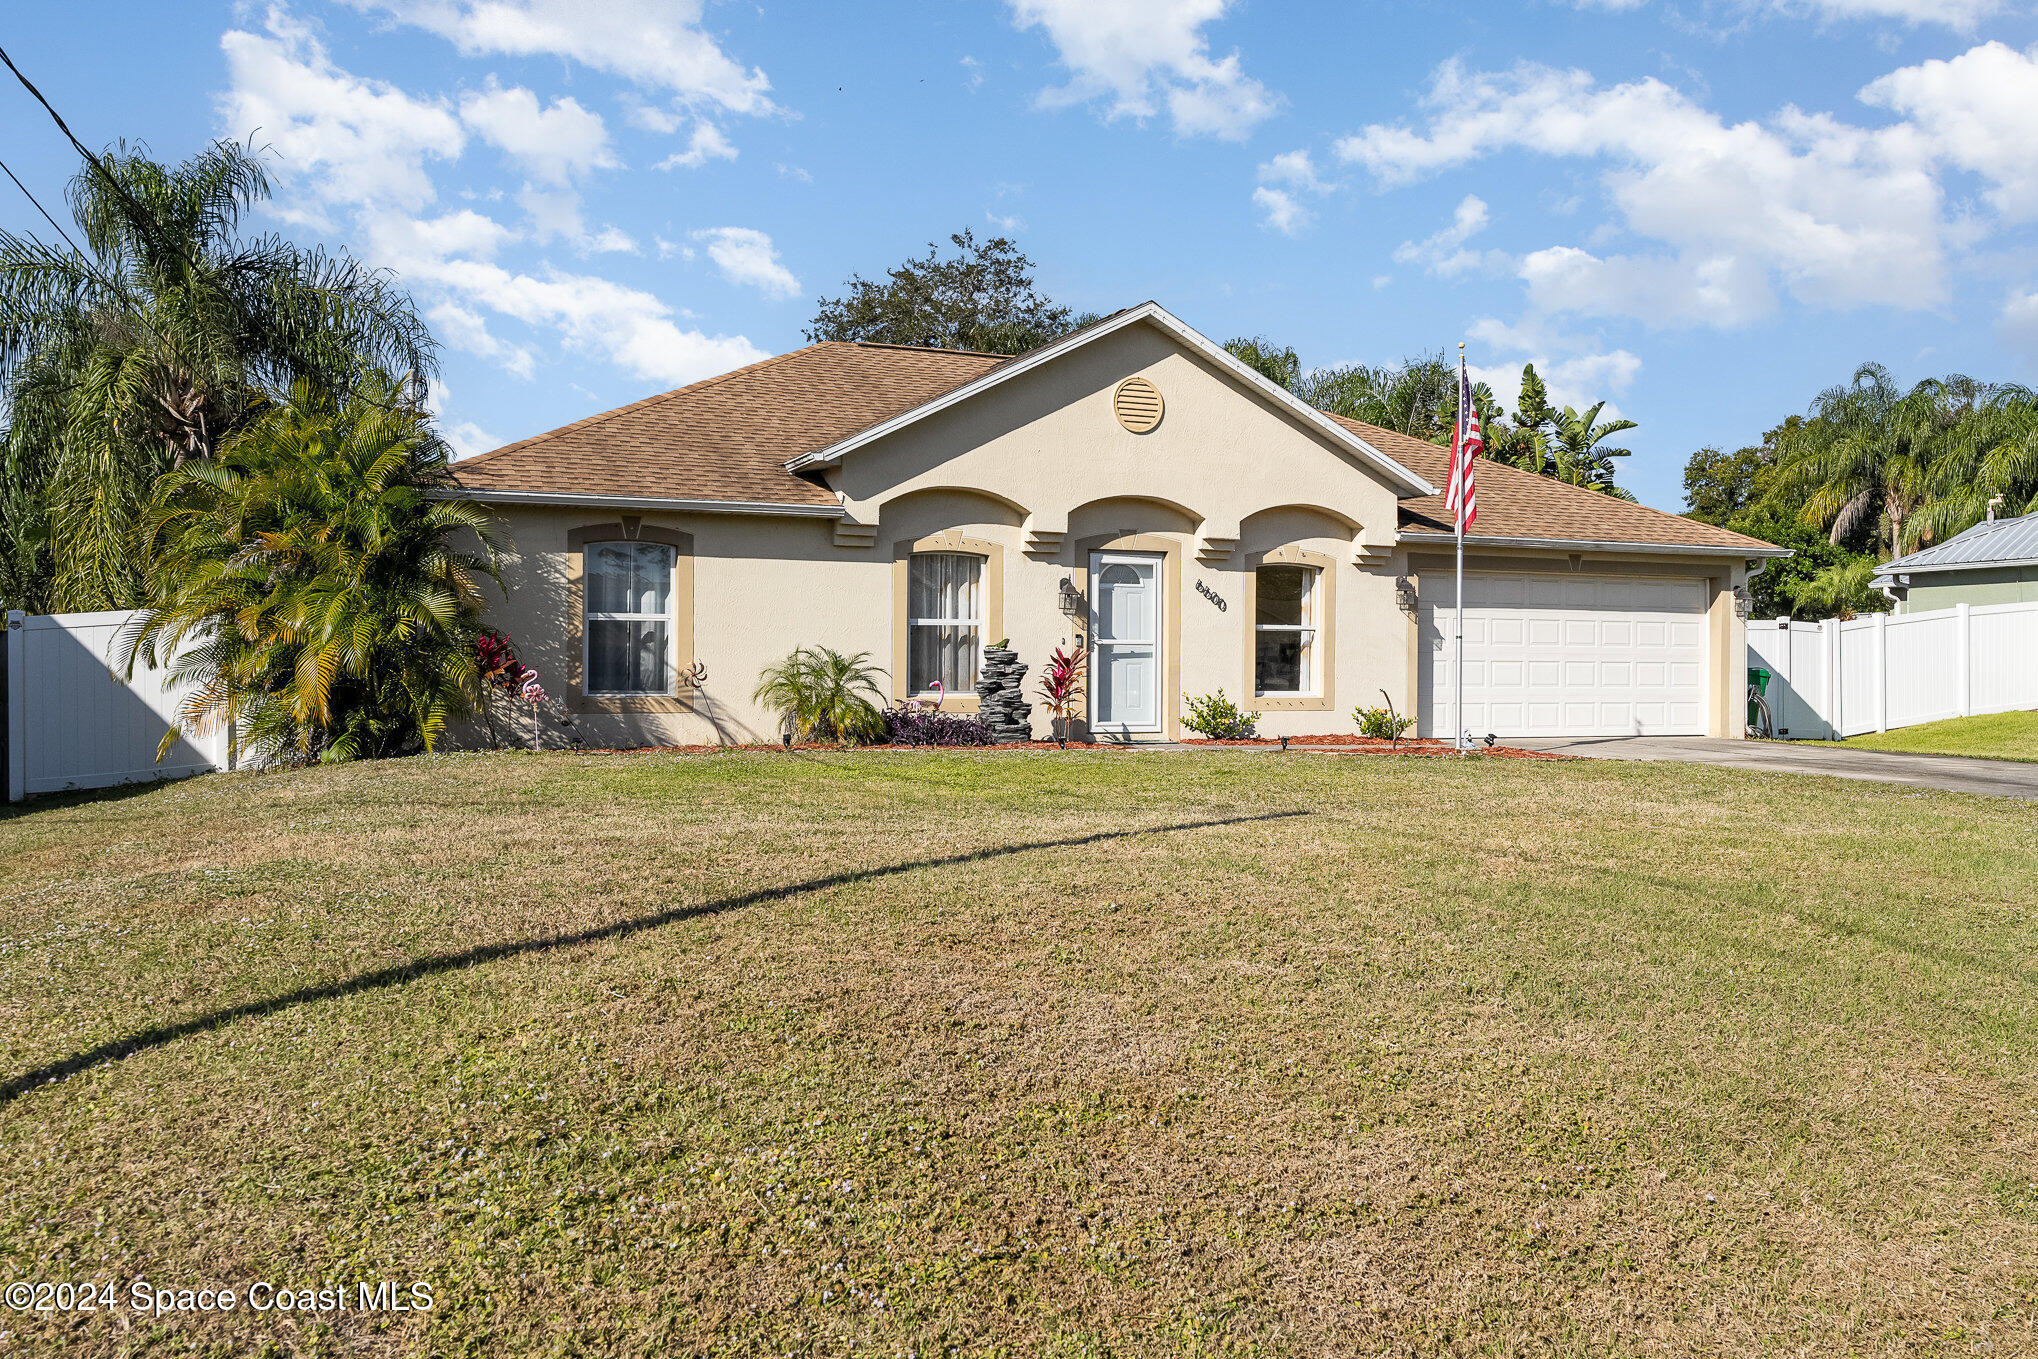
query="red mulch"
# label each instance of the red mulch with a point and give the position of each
(1373, 745)
(1342, 745)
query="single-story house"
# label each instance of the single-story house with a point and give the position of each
(1995, 562)
(1130, 490)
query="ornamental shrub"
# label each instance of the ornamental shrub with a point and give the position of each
(918, 727)
(1381, 723)
(1217, 717)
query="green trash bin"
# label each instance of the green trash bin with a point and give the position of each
(1758, 686)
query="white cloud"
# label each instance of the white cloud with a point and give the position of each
(340, 138)
(465, 439)
(364, 146)
(1010, 224)
(1574, 370)
(1959, 14)
(1282, 211)
(557, 144)
(1283, 181)
(1146, 56)
(657, 44)
(1444, 253)
(744, 255)
(466, 329)
(706, 144)
(1979, 112)
(2019, 323)
(1835, 215)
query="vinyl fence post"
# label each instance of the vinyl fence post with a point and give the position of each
(1779, 715)
(1830, 627)
(1882, 672)
(1963, 631)
(17, 705)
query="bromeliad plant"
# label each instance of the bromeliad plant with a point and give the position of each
(824, 695)
(1061, 684)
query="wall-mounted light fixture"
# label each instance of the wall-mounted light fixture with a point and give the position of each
(1072, 602)
(1404, 594)
(1740, 601)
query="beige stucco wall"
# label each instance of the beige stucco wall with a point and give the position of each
(1040, 468)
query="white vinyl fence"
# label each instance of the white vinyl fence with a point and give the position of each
(74, 721)
(1835, 679)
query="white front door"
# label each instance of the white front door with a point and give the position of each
(1125, 694)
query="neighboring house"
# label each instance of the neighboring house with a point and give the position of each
(1995, 562)
(1130, 489)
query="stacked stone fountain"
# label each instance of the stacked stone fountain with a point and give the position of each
(1000, 700)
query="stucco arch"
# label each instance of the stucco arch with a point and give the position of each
(973, 504)
(1301, 510)
(1140, 513)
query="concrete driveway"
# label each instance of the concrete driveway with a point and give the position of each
(1996, 778)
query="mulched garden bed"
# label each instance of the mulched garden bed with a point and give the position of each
(1337, 745)
(1373, 745)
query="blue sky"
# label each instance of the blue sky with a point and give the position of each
(1703, 211)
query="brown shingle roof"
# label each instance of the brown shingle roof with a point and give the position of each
(1518, 504)
(729, 437)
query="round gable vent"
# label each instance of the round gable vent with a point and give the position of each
(1137, 404)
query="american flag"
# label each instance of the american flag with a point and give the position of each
(1461, 495)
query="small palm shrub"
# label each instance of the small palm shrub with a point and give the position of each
(824, 695)
(1217, 717)
(914, 727)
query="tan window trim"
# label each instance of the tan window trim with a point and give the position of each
(575, 696)
(994, 604)
(1325, 700)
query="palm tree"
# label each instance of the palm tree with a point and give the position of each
(1578, 454)
(1419, 398)
(1866, 452)
(308, 581)
(825, 694)
(1990, 450)
(161, 337)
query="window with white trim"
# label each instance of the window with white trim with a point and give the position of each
(944, 621)
(1284, 629)
(629, 618)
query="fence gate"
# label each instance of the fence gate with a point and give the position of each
(75, 721)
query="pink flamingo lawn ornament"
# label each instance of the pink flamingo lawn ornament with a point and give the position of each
(932, 704)
(532, 693)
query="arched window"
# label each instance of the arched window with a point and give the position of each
(629, 624)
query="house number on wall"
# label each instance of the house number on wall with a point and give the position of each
(1212, 596)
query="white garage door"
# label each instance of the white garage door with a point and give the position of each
(1553, 655)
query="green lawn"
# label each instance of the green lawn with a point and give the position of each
(1070, 1055)
(1998, 736)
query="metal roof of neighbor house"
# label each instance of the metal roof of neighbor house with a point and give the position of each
(724, 443)
(1998, 542)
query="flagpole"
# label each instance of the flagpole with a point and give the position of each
(1458, 650)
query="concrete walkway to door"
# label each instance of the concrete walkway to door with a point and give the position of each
(1955, 773)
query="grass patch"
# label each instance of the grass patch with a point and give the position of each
(1996, 736)
(1070, 1055)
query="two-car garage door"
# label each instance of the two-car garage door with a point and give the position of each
(1563, 655)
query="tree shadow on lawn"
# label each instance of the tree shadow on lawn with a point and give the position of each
(119, 1048)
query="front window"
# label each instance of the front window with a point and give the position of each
(1284, 630)
(629, 618)
(944, 620)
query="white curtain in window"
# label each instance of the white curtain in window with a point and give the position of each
(944, 621)
(629, 618)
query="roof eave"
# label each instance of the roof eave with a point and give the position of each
(1407, 483)
(1897, 568)
(1594, 545)
(674, 504)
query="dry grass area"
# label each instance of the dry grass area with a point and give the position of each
(1225, 1053)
